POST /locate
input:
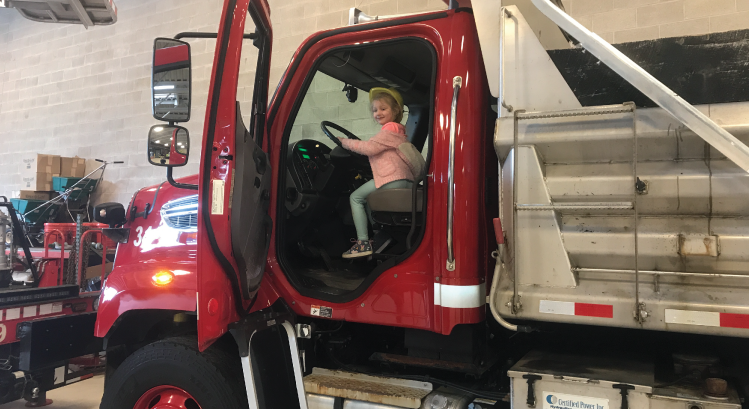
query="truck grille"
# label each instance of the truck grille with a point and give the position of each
(181, 213)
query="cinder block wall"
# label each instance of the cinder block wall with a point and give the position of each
(70, 91)
(622, 21)
(324, 99)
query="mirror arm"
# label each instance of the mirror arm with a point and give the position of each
(193, 34)
(178, 185)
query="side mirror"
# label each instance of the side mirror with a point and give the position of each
(168, 145)
(171, 80)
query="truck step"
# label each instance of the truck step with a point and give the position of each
(348, 385)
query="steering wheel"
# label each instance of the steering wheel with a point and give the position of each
(324, 126)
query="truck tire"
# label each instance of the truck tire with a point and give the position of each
(172, 373)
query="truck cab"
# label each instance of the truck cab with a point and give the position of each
(262, 227)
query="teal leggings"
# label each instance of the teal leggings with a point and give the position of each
(359, 198)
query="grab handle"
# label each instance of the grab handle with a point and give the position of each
(457, 83)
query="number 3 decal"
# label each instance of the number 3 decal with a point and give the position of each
(138, 236)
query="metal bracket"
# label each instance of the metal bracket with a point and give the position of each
(516, 304)
(81, 12)
(640, 313)
(303, 331)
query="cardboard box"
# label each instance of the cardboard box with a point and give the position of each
(95, 271)
(36, 181)
(72, 167)
(30, 194)
(38, 163)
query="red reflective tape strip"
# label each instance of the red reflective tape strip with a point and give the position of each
(734, 320)
(707, 318)
(576, 308)
(594, 310)
(171, 55)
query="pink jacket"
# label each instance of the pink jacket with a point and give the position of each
(388, 164)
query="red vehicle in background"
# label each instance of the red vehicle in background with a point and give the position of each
(227, 289)
(48, 307)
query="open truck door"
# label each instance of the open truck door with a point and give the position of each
(234, 186)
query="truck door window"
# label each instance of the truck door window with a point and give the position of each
(325, 100)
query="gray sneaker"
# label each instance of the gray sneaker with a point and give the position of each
(361, 248)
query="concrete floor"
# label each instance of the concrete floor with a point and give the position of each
(81, 395)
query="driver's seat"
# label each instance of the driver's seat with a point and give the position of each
(394, 207)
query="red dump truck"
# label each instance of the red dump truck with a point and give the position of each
(574, 242)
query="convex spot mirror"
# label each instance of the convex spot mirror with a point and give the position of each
(168, 145)
(171, 80)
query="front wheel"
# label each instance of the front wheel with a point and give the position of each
(173, 374)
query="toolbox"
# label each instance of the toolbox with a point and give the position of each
(548, 380)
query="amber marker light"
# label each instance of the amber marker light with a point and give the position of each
(163, 278)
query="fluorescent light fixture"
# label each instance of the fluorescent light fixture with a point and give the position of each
(158, 129)
(160, 87)
(166, 144)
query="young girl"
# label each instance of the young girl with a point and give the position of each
(390, 169)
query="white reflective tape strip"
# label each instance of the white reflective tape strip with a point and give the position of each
(460, 296)
(704, 318)
(556, 307)
(29, 311)
(45, 309)
(12, 314)
(59, 375)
